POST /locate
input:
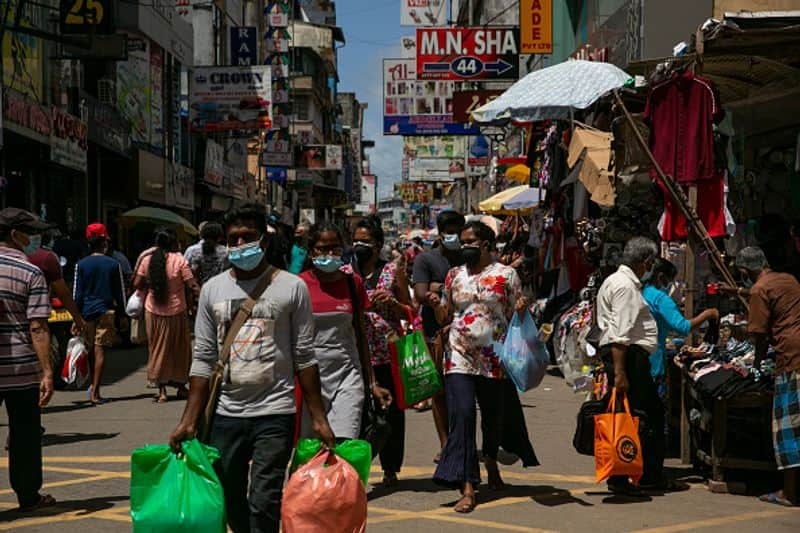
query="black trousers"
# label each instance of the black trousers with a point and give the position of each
(266, 441)
(391, 455)
(642, 396)
(24, 443)
(459, 461)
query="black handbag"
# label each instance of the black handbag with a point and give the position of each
(375, 429)
(583, 440)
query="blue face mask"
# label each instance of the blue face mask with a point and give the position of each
(451, 241)
(246, 257)
(328, 263)
(34, 243)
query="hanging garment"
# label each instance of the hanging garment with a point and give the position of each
(710, 209)
(681, 112)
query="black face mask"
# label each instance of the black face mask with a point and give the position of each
(471, 255)
(362, 252)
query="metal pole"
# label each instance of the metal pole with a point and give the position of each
(466, 175)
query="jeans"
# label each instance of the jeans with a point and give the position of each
(643, 396)
(392, 453)
(267, 441)
(24, 443)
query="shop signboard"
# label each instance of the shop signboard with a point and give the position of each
(25, 116)
(23, 69)
(536, 26)
(412, 107)
(408, 47)
(213, 172)
(423, 12)
(156, 97)
(87, 16)
(465, 102)
(231, 98)
(434, 146)
(480, 53)
(244, 49)
(68, 140)
(321, 157)
(151, 177)
(179, 190)
(133, 88)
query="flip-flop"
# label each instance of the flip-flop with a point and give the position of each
(773, 498)
(45, 500)
(101, 401)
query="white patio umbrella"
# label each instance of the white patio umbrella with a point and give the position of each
(552, 92)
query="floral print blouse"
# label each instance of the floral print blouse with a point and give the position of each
(482, 306)
(382, 325)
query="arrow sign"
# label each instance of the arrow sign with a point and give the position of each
(500, 66)
(436, 67)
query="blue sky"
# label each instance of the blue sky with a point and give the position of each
(372, 31)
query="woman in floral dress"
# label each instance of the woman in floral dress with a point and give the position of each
(389, 298)
(479, 300)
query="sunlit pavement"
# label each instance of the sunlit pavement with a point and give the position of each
(87, 469)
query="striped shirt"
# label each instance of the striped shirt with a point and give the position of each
(23, 297)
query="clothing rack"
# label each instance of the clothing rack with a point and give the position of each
(679, 197)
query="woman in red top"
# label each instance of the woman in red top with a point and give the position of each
(337, 296)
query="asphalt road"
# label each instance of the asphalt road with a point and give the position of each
(87, 450)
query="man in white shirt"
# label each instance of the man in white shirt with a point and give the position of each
(629, 335)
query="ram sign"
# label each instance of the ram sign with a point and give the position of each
(485, 53)
(231, 98)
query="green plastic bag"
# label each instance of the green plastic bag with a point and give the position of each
(413, 372)
(176, 494)
(356, 452)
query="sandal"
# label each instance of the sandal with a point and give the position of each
(465, 505)
(773, 498)
(45, 500)
(389, 479)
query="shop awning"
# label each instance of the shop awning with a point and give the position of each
(158, 216)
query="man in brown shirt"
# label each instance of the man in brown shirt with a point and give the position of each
(774, 318)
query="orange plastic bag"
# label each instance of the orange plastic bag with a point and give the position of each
(325, 494)
(617, 450)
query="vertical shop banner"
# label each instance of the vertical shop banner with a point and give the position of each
(175, 108)
(412, 107)
(156, 97)
(179, 186)
(481, 53)
(68, 140)
(133, 88)
(231, 98)
(423, 12)
(23, 54)
(536, 26)
(244, 48)
(214, 167)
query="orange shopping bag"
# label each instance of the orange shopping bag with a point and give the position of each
(617, 450)
(324, 495)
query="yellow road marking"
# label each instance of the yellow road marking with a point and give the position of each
(485, 524)
(40, 520)
(721, 521)
(86, 471)
(66, 483)
(82, 459)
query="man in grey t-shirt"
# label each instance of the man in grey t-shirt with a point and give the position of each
(255, 417)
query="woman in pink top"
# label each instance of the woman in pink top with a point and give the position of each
(165, 275)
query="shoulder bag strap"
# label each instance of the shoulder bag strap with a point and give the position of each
(243, 314)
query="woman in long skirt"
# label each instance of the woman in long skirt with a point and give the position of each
(165, 275)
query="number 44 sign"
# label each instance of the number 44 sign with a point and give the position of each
(487, 53)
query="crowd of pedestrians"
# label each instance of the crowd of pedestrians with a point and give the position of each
(303, 320)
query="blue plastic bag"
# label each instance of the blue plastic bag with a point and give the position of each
(524, 355)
